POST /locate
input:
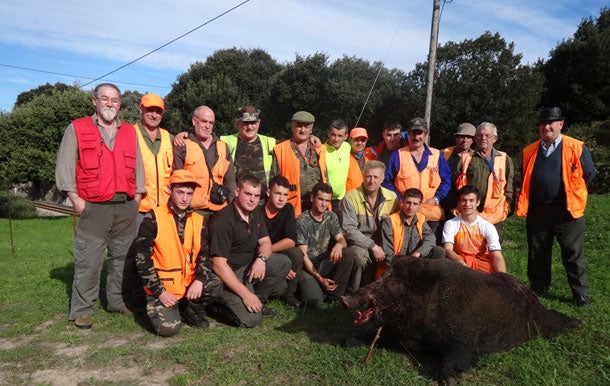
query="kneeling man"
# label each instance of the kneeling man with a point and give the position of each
(170, 259)
(240, 248)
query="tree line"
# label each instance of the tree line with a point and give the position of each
(476, 80)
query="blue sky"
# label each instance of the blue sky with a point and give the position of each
(85, 40)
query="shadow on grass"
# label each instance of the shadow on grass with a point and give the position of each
(135, 299)
(334, 326)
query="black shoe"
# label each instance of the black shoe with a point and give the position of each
(268, 312)
(582, 301)
(196, 320)
(291, 300)
(539, 289)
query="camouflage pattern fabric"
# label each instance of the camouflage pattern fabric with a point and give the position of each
(317, 235)
(167, 321)
(249, 159)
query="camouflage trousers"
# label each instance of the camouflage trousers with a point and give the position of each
(167, 321)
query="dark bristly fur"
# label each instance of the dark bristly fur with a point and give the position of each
(456, 314)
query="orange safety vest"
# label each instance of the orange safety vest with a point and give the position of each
(101, 172)
(427, 181)
(354, 174)
(398, 237)
(194, 161)
(175, 262)
(571, 173)
(495, 209)
(290, 167)
(157, 170)
(447, 152)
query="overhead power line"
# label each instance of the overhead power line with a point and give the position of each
(78, 76)
(379, 71)
(168, 43)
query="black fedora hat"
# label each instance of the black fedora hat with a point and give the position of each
(550, 114)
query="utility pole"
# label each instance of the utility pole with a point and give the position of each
(432, 62)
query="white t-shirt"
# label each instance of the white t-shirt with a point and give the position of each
(480, 228)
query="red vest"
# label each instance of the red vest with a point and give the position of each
(100, 173)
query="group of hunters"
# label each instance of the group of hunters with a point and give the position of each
(196, 224)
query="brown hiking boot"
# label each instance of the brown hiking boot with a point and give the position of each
(84, 322)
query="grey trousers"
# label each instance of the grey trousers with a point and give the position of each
(101, 227)
(310, 291)
(232, 307)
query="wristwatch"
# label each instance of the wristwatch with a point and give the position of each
(263, 258)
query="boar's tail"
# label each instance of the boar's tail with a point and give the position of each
(556, 323)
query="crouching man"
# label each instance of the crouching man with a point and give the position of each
(170, 259)
(471, 240)
(406, 232)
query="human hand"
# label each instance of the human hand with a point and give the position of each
(291, 275)
(315, 141)
(257, 271)
(378, 253)
(195, 290)
(336, 254)
(179, 138)
(431, 202)
(328, 284)
(77, 203)
(252, 302)
(168, 299)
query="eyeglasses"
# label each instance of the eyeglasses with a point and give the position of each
(105, 100)
(359, 139)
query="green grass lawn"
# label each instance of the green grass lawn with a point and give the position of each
(39, 346)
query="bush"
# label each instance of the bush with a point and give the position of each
(21, 208)
(597, 138)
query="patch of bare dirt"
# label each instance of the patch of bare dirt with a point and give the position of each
(75, 376)
(6, 344)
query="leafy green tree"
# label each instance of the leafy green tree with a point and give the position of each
(350, 81)
(577, 75)
(31, 133)
(479, 80)
(338, 90)
(46, 89)
(227, 80)
(302, 85)
(130, 106)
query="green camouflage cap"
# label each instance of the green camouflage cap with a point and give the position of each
(418, 124)
(248, 114)
(303, 116)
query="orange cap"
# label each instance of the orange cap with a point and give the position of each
(153, 100)
(182, 176)
(357, 132)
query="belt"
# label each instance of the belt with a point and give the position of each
(118, 198)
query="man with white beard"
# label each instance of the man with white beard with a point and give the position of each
(99, 166)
